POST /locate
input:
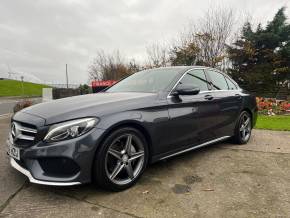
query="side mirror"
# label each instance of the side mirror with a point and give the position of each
(185, 89)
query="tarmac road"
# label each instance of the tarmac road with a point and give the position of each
(6, 106)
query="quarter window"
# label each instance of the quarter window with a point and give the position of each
(218, 80)
(231, 85)
(196, 78)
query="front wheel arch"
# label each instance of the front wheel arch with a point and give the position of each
(133, 124)
(124, 124)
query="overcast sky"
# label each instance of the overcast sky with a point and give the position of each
(40, 36)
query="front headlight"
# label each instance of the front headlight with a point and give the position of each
(70, 129)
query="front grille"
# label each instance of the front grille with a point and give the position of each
(23, 134)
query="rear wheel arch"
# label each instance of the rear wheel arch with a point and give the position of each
(250, 112)
(237, 139)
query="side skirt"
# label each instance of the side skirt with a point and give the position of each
(195, 147)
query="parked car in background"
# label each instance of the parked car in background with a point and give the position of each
(111, 137)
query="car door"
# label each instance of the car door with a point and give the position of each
(190, 116)
(228, 100)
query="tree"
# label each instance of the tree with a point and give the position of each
(206, 43)
(261, 58)
(186, 54)
(85, 89)
(157, 55)
(110, 67)
(133, 66)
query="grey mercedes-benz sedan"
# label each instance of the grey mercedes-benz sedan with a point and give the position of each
(111, 137)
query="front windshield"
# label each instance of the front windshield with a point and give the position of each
(153, 80)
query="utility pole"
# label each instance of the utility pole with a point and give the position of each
(66, 76)
(22, 77)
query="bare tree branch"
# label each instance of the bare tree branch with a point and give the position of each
(110, 66)
(157, 55)
(205, 41)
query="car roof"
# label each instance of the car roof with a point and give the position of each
(186, 67)
(183, 69)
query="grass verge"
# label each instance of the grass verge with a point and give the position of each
(277, 122)
(14, 88)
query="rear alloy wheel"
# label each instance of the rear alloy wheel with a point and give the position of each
(243, 129)
(121, 160)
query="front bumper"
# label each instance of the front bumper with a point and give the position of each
(63, 163)
(16, 166)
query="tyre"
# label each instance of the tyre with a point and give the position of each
(243, 128)
(121, 159)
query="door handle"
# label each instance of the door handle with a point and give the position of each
(208, 97)
(238, 95)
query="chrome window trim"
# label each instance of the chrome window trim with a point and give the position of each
(221, 90)
(209, 91)
(196, 147)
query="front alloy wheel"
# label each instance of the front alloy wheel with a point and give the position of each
(121, 159)
(124, 159)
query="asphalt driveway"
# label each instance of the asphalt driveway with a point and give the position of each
(222, 180)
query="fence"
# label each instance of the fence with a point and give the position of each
(63, 86)
(63, 93)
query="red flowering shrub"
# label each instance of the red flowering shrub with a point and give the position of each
(285, 106)
(272, 106)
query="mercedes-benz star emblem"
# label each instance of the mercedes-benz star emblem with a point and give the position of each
(14, 131)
